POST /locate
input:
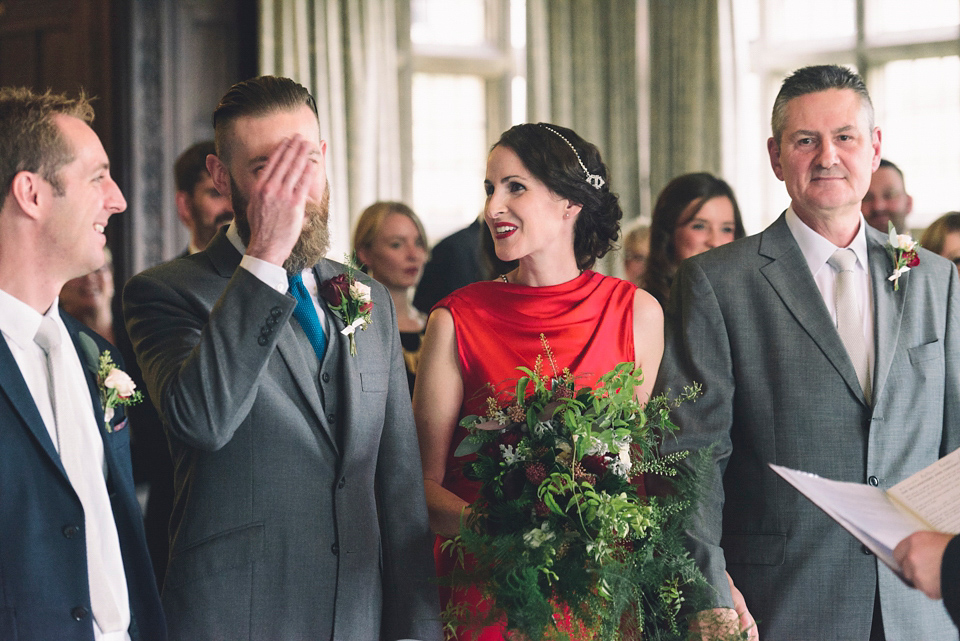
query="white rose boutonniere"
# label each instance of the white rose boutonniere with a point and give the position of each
(116, 388)
(903, 252)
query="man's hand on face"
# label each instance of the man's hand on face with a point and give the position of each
(275, 211)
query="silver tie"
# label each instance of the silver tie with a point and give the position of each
(79, 458)
(849, 317)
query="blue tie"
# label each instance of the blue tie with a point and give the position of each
(306, 315)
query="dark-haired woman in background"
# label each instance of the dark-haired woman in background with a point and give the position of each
(392, 247)
(549, 209)
(694, 213)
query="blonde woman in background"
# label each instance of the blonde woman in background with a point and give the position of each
(636, 248)
(943, 237)
(391, 245)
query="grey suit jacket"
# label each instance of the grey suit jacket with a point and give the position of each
(748, 322)
(299, 510)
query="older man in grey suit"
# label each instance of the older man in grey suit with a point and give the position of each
(811, 358)
(299, 508)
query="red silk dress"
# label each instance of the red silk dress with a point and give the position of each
(588, 323)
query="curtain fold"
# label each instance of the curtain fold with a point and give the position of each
(582, 74)
(685, 93)
(345, 53)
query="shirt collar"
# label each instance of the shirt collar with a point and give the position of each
(817, 250)
(19, 322)
(234, 237)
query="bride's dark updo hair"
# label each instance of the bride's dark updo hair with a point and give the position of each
(551, 160)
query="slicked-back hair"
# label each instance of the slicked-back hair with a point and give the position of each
(811, 80)
(30, 140)
(257, 97)
(555, 164)
(191, 165)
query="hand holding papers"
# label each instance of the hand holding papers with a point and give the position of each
(928, 500)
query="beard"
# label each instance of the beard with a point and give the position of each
(314, 240)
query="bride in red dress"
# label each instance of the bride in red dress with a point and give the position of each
(549, 209)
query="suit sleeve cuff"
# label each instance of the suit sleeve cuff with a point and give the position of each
(273, 275)
(950, 579)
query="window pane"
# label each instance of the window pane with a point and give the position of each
(449, 151)
(789, 20)
(886, 16)
(445, 22)
(918, 112)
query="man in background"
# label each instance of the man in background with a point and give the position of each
(887, 199)
(73, 562)
(200, 206)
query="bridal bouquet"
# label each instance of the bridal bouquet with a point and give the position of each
(563, 529)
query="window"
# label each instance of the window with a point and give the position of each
(466, 86)
(909, 56)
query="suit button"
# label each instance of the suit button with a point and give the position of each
(276, 312)
(874, 481)
(865, 550)
(79, 613)
(335, 549)
(263, 340)
(325, 378)
(332, 418)
(70, 531)
(271, 321)
(343, 481)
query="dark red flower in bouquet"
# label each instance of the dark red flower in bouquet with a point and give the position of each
(335, 289)
(510, 437)
(913, 259)
(594, 464)
(513, 483)
(366, 307)
(536, 473)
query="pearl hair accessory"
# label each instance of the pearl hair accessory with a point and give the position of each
(593, 180)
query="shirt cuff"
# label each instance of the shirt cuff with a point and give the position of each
(273, 275)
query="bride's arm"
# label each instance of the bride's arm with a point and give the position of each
(437, 397)
(647, 339)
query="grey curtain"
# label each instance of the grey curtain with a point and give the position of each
(685, 99)
(582, 74)
(345, 53)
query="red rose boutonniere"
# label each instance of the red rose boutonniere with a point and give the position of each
(350, 300)
(903, 252)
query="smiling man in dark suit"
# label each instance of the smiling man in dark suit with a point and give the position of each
(299, 508)
(811, 357)
(73, 560)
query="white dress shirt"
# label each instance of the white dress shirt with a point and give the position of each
(19, 324)
(817, 250)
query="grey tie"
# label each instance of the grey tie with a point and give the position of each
(79, 462)
(849, 318)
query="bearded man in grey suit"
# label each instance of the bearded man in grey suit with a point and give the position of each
(818, 365)
(299, 510)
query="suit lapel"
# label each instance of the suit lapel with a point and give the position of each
(15, 388)
(89, 361)
(790, 277)
(888, 308)
(293, 353)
